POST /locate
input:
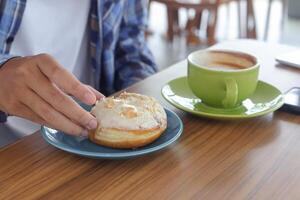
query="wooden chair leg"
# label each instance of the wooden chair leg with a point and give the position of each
(176, 27)
(191, 26)
(212, 24)
(198, 19)
(195, 22)
(170, 30)
(250, 22)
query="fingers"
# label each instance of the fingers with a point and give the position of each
(32, 87)
(64, 80)
(62, 103)
(96, 92)
(51, 116)
(25, 112)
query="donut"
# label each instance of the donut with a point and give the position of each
(129, 120)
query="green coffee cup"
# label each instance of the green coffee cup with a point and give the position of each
(222, 78)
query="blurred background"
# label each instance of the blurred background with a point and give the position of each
(177, 27)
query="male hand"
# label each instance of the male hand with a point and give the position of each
(36, 88)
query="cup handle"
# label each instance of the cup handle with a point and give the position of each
(231, 97)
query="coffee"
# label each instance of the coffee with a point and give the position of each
(223, 61)
(225, 66)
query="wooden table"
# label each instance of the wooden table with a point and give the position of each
(249, 159)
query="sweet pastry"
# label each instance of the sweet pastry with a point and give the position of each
(128, 121)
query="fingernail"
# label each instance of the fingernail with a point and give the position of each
(92, 124)
(84, 133)
(89, 98)
(100, 97)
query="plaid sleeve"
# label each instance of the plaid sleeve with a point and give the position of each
(134, 60)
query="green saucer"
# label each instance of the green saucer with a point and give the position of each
(265, 99)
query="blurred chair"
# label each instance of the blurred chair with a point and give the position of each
(246, 27)
(198, 6)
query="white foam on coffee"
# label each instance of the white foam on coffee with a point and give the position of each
(222, 61)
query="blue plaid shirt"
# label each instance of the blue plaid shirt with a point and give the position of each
(119, 54)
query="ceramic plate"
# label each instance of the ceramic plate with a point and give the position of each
(265, 99)
(83, 146)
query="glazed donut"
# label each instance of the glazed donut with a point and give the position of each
(128, 121)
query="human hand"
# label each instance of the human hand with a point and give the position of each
(36, 88)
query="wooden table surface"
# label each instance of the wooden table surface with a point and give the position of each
(250, 159)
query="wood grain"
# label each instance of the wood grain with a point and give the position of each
(248, 159)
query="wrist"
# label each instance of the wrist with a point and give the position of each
(4, 59)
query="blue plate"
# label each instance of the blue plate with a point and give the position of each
(84, 147)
